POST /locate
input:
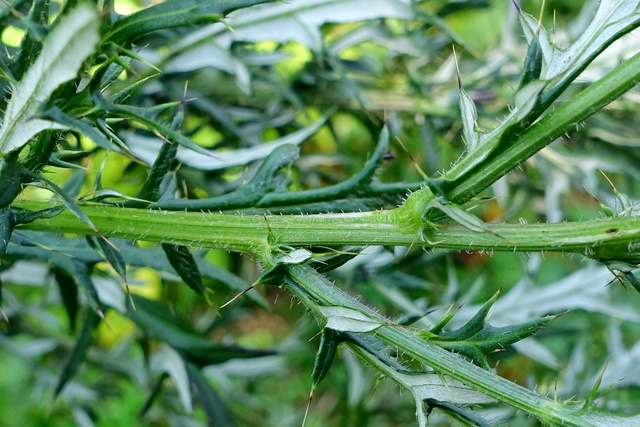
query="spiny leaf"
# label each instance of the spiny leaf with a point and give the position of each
(90, 321)
(250, 193)
(477, 339)
(31, 43)
(183, 262)
(612, 20)
(71, 41)
(110, 253)
(207, 160)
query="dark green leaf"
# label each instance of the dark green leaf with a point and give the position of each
(155, 392)
(10, 178)
(217, 413)
(68, 293)
(184, 264)
(7, 222)
(338, 259)
(110, 253)
(159, 323)
(532, 63)
(326, 353)
(465, 416)
(90, 321)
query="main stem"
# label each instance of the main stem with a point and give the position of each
(606, 239)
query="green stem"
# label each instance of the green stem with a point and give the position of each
(315, 290)
(605, 239)
(470, 175)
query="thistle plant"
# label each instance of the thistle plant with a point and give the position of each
(187, 143)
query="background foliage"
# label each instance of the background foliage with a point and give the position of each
(325, 76)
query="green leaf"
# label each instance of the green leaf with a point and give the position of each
(90, 321)
(469, 117)
(161, 166)
(68, 293)
(172, 14)
(31, 43)
(72, 40)
(250, 194)
(612, 19)
(83, 127)
(183, 262)
(10, 177)
(147, 148)
(215, 409)
(110, 253)
(532, 63)
(459, 215)
(299, 21)
(6, 229)
(326, 353)
(477, 339)
(343, 319)
(155, 392)
(465, 416)
(159, 323)
(170, 361)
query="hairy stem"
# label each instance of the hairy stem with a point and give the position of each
(470, 176)
(614, 238)
(315, 290)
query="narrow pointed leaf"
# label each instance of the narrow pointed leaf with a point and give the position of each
(89, 323)
(459, 215)
(69, 295)
(329, 343)
(532, 63)
(111, 254)
(469, 116)
(159, 323)
(84, 128)
(183, 262)
(215, 409)
(155, 392)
